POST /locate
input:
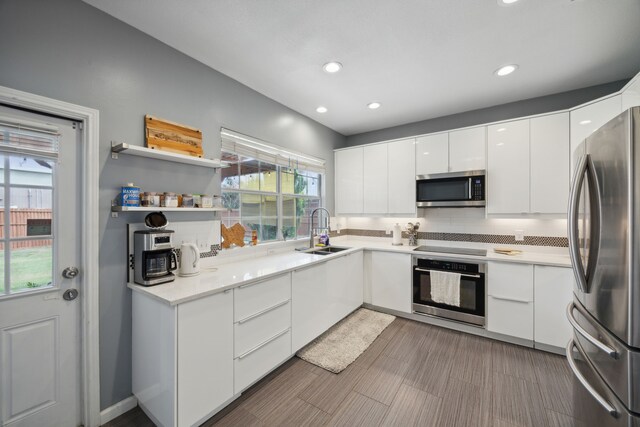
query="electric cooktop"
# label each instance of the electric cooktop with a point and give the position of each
(449, 250)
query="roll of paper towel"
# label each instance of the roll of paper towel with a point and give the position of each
(397, 235)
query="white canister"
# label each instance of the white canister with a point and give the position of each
(397, 235)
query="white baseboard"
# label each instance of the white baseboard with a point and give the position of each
(118, 409)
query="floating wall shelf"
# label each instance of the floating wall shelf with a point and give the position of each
(134, 150)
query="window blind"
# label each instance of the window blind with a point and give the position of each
(25, 137)
(248, 146)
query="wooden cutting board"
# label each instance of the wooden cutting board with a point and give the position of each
(507, 251)
(169, 136)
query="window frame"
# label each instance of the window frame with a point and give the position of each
(278, 194)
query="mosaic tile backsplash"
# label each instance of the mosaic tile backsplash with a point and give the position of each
(502, 239)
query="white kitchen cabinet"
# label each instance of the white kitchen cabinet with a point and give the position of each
(338, 288)
(631, 94)
(375, 179)
(402, 177)
(553, 292)
(182, 357)
(585, 120)
(310, 301)
(349, 170)
(467, 149)
(432, 154)
(508, 168)
(344, 285)
(549, 163)
(354, 280)
(510, 299)
(205, 374)
(390, 278)
(262, 328)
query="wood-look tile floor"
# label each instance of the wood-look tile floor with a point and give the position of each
(412, 375)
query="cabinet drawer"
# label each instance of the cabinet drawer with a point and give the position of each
(252, 331)
(255, 297)
(513, 281)
(249, 367)
(510, 318)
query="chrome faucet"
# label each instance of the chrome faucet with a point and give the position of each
(311, 224)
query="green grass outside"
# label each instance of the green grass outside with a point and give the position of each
(30, 268)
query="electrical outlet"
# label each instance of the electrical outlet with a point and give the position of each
(519, 235)
(387, 231)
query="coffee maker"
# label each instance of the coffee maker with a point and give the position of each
(154, 257)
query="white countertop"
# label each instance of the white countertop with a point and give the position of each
(243, 270)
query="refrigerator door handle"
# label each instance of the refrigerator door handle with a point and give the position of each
(574, 245)
(572, 364)
(610, 351)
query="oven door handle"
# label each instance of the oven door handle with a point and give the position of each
(477, 276)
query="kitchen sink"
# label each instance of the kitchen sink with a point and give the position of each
(326, 250)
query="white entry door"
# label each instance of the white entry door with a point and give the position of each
(40, 368)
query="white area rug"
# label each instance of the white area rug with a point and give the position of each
(346, 340)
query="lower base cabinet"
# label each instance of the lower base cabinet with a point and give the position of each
(177, 345)
(553, 292)
(310, 300)
(389, 280)
(510, 299)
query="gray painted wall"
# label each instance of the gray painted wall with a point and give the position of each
(528, 107)
(67, 50)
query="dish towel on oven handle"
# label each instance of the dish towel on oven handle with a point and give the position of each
(445, 287)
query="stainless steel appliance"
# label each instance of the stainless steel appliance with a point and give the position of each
(471, 306)
(154, 257)
(454, 189)
(604, 244)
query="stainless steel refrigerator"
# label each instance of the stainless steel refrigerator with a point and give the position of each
(604, 244)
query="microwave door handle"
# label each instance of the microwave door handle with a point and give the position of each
(573, 208)
(470, 195)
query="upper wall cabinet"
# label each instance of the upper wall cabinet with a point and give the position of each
(376, 179)
(457, 151)
(528, 166)
(508, 168)
(466, 149)
(549, 149)
(585, 120)
(432, 154)
(402, 177)
(349, 177)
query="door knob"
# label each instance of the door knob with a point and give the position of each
(70, 272)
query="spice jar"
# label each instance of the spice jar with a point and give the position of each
(187, 200)
(170, 200)
(206, 201)
(150, 198)
(254, 237)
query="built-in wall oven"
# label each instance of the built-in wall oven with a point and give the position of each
(449, 288)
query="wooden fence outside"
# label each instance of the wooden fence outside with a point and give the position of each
(19, 226)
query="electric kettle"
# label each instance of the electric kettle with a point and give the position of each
(189, 260)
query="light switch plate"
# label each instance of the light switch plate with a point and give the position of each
(519, 235)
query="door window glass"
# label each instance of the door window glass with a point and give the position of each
(26, 210)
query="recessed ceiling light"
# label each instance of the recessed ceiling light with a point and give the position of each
(506, 2)
(426, 153)
(499, 144)
(332, 67)
(373, 105)
(321, 109)
(501, 130)
(506, 70)
(585, 122)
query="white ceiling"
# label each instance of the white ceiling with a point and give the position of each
(419, 58)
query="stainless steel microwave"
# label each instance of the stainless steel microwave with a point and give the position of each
(453, 189)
